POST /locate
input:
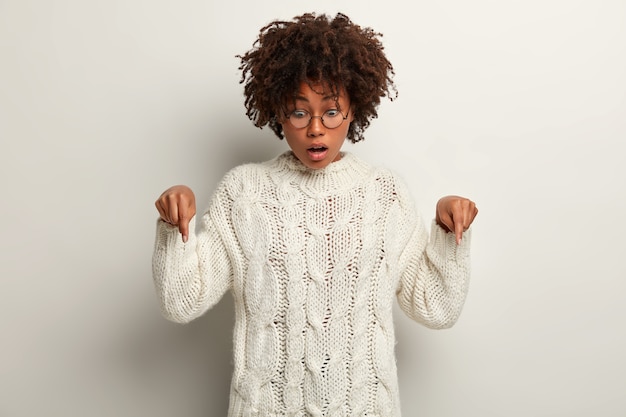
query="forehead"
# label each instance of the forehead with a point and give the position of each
(320, 91)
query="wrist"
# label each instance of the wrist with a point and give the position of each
(442, 225)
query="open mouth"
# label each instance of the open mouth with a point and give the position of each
(317, 152)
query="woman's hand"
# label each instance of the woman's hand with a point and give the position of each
(177, 206)
(455, 214)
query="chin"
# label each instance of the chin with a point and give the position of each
(316, 165)
(318, 160)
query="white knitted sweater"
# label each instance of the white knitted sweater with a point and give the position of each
(314, 260)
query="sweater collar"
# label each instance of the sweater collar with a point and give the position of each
(336, 176)
(348, 162)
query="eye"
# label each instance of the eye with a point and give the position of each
(299, 114)
(332, 113)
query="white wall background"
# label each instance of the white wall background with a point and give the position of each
(520, 105)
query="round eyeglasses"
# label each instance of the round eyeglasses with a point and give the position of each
(331, 119)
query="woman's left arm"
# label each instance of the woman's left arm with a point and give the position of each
(435, 268)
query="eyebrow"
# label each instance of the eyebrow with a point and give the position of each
(329, 97)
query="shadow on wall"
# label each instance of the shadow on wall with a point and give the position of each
(221, 148)
(187, 369)
(182, 369)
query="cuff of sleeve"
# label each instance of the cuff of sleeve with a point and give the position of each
(168, 233)
(443, 242)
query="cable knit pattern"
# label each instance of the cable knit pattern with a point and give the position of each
(314, 259)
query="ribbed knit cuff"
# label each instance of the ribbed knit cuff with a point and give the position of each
(170, 235)
(444, 243)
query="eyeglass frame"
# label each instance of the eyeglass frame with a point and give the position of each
(311, 117)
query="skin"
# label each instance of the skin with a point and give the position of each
(455, 214)
(317, 101)
(177, 204)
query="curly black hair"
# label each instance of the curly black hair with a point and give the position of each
(315, 48)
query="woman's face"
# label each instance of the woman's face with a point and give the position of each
(316, 145)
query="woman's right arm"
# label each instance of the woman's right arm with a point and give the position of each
(192, 273)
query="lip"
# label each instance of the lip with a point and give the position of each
(317, 155)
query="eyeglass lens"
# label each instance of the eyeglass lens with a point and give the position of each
(331, 119)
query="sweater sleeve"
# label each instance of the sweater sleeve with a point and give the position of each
(192, 277)
(434, 271)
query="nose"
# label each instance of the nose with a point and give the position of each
(315, 127)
